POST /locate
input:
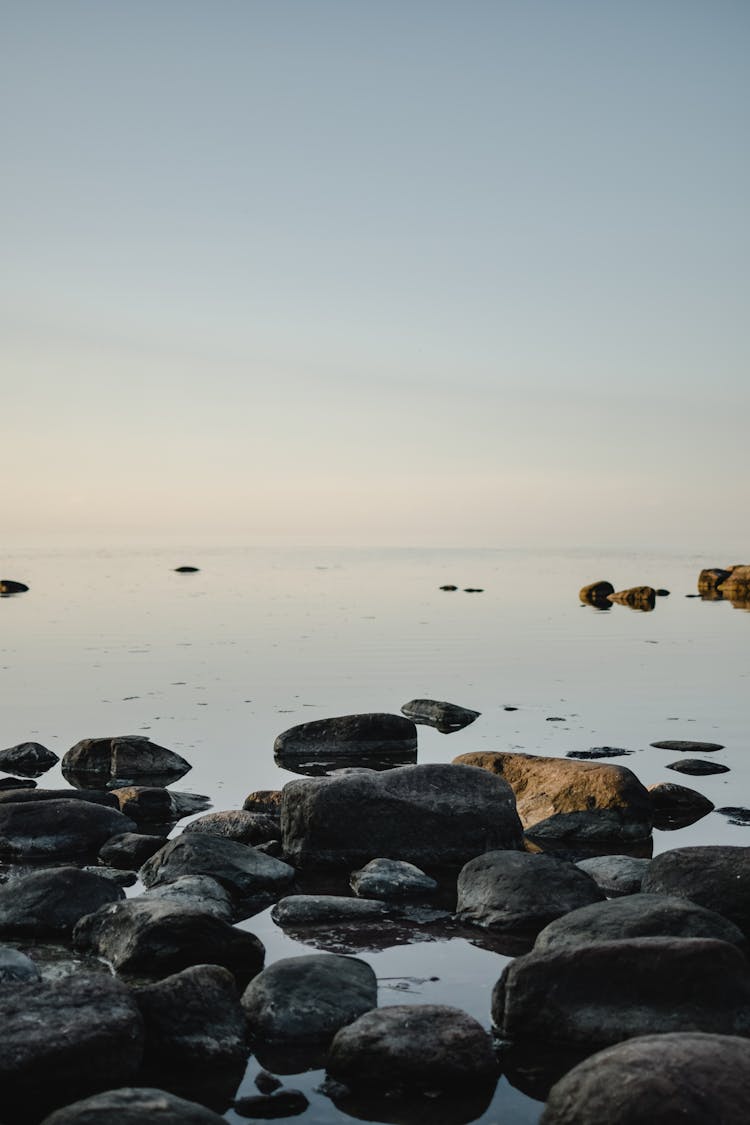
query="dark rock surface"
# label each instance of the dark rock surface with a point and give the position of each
(678, 1079)
(636, 597)
(669, 799)
(112, 875)
(193, 1018)
(311, 910)
(717, 877)
(267, 801)
(348, 735)
(307, 999)
(241, 869)
(391, 878)
(48, 903)
(615, 874)
(28, 759)
(16, 967)
(698, 767)
(445, 717)
(597, 994)
(737, 814)
(28, 792)
(686, 747)
(599, 752)
(284, 1103)
(195, 892)
(428, 815)
(186, 569)
(132, 756)
(145, 804)
(405, 1048)
(11, 586)
(131, 1105)
(7, 783)
(596, 592)
(518, 893)
(237, 824)
(711, 578)
(56, 829)
(130, 850)
(638, 915)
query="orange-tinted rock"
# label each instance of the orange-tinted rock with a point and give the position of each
(636, 597)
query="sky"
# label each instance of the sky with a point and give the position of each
(397, 272)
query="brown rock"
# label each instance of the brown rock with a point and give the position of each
(596, 592)
(636, 597)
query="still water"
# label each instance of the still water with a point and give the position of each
(215, 664)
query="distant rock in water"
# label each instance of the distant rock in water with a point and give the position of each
(661, 593)
(16, 783)
(697, 766)
(186, 569)
(636, 597)
(446, 717)
(737, 815)
(473, 590)
(348, 736)
(9, 586)
(712, 577)
(127, 756)
(596, 593)
(449, 587)
(686, 747)
(28, 759)
(599, 752)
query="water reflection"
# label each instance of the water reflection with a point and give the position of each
(319, 767)
(446, 1109)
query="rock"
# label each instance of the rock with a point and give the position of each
(637, 597)
(195, 892)
(737, 814)
(28, 759)
(48, 903)
(186, 569)
(119, 878)
(449, 587)
(267, 1083)
(66, 1039)
(28, 792)
(445, 716)
(132, 756)
(637, 916)
(596, 994)
(240, 825)
(717, 877)
(273, 847)
(130, 850)
(661, 593)
(244, 871)
(711, 578)
(10, 586)
(145, 804)
(560, 798)
(187, 804)
(473, 590)
(16, 783)
(57, 829)
(686, 1077)
(391, 878)
(193, 1018)
(311, 910)
(285, 1103)
(155, 937)
(615, 875)
(267, 801)
(16, 967)
(598, 752)
(596, 592)
(736, 587)
(687, 747)
(517, 893)
(698, 767)
(134, 1106)
(431, 815)
(677, 802)
(350, 736)
(409, 1048)
(307, 999)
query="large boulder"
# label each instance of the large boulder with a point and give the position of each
(237, 824)
(637, 915)
(307, 999)
(131, 756)
(244, 871)
(517, 893)
(711, 578)
(563, 798)
(134, 1105)
(590, 996)
(193, 1018)
(28, 759)
(714, 876)
(679, 1079)
(428, 815)
(65, 1039)
(49, 903)
(29, 792)
(411, 1048)
(348, 736)
(56, 829)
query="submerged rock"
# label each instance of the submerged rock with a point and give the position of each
(711, 578)
(186, 569)
(283, 1103)
(615, 874)
(129, 851)
(193, 1018)
(348, 735)
(27, 759)
(296, 911)
(10, 586)
(266, 801)
(717, 877)
(445, 716)
(391, 878)
(237, 824)
(599, 752)
(698, 767)
(48, 903)
(677, 805)
(56, 829)
(737, 814)
(637, 597)
(687, 747)
(125, 756)
(241, 869)
(134, 1105)
(432, 815)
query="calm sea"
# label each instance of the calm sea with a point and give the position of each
(215, 664)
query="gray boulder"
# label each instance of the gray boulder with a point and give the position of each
(348, 735)
(590, 996)
(615, 874)
(130, 850)
(193, 1018)
(307, 999)
(57, 829)
(48, 903)
(429, 815)
(717, 877)
(637, 915)
(446, 717)
(687, 1078)
(244, 871)
(518, 893)
(195, 892)
(391, 878)
(134, 1106)
(313, 910)
(411, 1048)
(27, 759)
(677, 802)
(698, 767)
(16, 967)
(237, 824)
(131, 756)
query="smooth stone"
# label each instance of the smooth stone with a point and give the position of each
(596, 591)
(697, 767)
(7, 783)
(436, 713)
(237, 824)
(285, 1103)
(195, 892)
(662, 593)
(409, 1048)
(391, 878)
(636, 597)
(598, 752)
(267, 1083)
(28, 759)
(737, 814)
(668, 798)
(11, 586)
(17, 967)
(28, 792)
(193, 1018)
(311, 910)
(561, 798)
(56, 829)
(687, 747)
(596, 994)
(685, 1077)
(349, 735)
(615, 874)
(186, 569)
(49, 903)
(131, 755)
(130, 850)
(430, 815)
(711, 578)
(448, 587)
(714, 876)
(267, 801)
(518, 893)
(112, 875)
(307, 999)
(238, 867)
(636, 916)
(134, 1105)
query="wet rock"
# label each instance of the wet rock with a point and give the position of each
(48, 903)
(596, 592)
(244, 871)
(307, 999)
(10, 586)
(155, 937)
(19, 796)
(240, 825)
(408, 1048)
(311, 910)
(686, 1077)
(145, 804)
(431, 815)
(16, 783)
(285, 1103)
(637, 597)
(598, 752)
(661, 593)
(449, 587)
(391, 878)
(16, 967)
(130, 850)
(195, 892)
(711, 578)
(698, 767)
(686, 747)
(348, 735)
(111, 875)
(66, 1039)
(434, 713)
(187, 804)
(597, 994)
(615, 875)
(193, 1018)
(132, 756)
(473, 590)
(267, 1083)
(677, 801)
(266, 801)
(560, 798)
(517, 893)
(736, 587)
(737, 815)
(28, 759)
(56, 829)
(134, 1106)
(717, 877)
(186, 569)
(638, 916)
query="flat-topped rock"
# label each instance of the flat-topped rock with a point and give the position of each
(444, 716)
(56, 829)
(244, 871)
(27, 759)
(687, 747)
(348, 735)
(237, 824)
(698, 767)
(134, 1105)
(48, 903)
(126, 756)
(714, 876)
(391, 879)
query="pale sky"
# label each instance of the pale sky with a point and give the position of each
(406, 272)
